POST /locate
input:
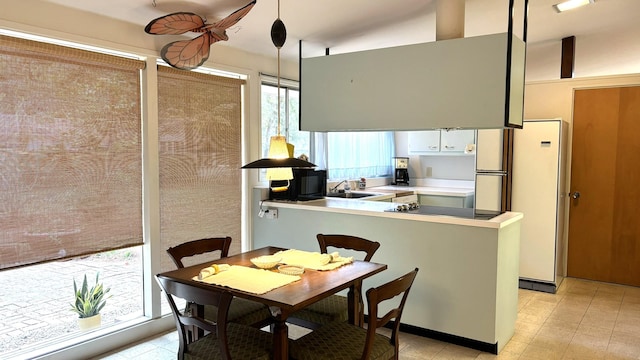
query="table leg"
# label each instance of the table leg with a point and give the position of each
(280, 340)
(280, 335)
(194, 333)
(353, 300)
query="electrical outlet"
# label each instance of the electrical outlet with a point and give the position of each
(271, 214)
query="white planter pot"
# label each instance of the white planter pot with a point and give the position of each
(90, 322)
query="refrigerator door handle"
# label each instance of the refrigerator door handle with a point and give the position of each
(491, 172)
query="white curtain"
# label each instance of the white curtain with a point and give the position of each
(320, 152)
(352, 155)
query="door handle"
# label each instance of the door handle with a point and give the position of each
(575, 194)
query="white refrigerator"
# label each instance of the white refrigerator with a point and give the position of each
(539, 192)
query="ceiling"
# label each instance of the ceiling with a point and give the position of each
(353, 25)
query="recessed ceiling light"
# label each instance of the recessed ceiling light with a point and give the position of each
(571, 4)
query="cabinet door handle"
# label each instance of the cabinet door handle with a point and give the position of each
(433, 147)
(449, 147)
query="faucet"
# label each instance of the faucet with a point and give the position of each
(346, 186)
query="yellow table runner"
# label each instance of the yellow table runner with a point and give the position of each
(313, 260)
(256, 281)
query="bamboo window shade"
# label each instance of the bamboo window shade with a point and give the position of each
(70, 152)
(199, 130)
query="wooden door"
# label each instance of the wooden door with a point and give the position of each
(604, 222)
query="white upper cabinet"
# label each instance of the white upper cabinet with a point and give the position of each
(439, 142)
(424, 141)
(467, 83)
(456, 140)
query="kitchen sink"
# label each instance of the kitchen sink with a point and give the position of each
(352, 195)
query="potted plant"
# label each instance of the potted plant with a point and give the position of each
(89, 302)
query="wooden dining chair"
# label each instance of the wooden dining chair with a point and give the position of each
(222, 339)
(340, 340)
(335, 307)
(242, 311)
(197, 247)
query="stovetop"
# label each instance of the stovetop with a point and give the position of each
(467, 213)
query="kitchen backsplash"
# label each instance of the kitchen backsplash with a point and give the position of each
(442, 167)
(439, 171)
(448, 183)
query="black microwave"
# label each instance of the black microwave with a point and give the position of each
(307, 184)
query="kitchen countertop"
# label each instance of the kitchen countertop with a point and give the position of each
(422, 190)
(382, 209)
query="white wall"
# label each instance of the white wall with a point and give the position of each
(596, 54)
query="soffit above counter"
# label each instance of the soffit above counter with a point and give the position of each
(467, 83)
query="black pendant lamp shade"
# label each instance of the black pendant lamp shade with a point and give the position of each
(267, 163)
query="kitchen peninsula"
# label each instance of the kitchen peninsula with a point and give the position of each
(467, 289)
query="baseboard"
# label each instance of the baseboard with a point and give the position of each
(538, 286)
(440, 336)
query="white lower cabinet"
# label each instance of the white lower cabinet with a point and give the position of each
(447, 201)
(405, 199)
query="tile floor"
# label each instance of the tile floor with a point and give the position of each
(585, 320)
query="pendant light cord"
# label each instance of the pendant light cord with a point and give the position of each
(278, 76)
(278, 91)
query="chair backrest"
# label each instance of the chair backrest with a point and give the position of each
(375, 296)
(195, 247)
(192, 316)
(348, 242)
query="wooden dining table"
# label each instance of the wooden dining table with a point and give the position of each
(283, 301)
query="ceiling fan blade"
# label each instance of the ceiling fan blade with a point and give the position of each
(234, 17)
(175, 24)
(187, 54)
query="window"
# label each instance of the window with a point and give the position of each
(71, 142)
(71, 184)
(199, 122)
(345, 155)
(36, 299)
(289, 124)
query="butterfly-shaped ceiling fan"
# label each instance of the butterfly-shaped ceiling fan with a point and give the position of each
(189, 54)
